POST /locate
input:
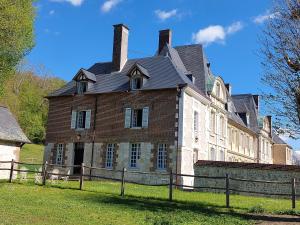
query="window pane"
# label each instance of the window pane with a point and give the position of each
(81, 119)
(135, 154)
(59, 154)
(109, 155)
(162, 156)
(137, 118)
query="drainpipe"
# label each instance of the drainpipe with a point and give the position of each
(94, 132)
(179, 93)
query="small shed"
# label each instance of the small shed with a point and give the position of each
(12, 138)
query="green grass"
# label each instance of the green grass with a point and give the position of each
(32, 153)
(99, 203)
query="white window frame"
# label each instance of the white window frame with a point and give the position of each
(213, 153)
(110, 150)
(59, 154)
(213, 122)
(162, 157)
(135, 155)
(81, 85)
(134, 82)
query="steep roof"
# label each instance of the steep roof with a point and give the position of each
(277, 139)
(166, 70)
(9, 127)
(244, 103)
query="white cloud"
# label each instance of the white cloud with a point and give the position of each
(234, 27)
(73, 2)
(263, 17)
(164, 15)
(109, 4)
(51, 12)
(215, 33)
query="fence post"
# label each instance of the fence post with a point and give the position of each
(11, 170)
(123, 182)
(293, 193)
(45, 173)
(81, 176)
(227, 191)
(171, 187)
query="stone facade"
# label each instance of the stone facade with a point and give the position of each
(250, 171)
(282, 154)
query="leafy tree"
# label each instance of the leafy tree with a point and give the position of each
(16, 35)
(281, 62)
(24, 95)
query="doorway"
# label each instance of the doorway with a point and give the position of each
(78, 156)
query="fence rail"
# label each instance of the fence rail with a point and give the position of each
(171, 182)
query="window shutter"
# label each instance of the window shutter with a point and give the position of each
(73, 120)
(127, 117)
(145, 117)
(87, 119)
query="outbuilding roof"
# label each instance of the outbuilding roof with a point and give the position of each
(9, 127)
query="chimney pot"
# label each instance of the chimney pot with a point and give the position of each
(165, 37)
(120, 46)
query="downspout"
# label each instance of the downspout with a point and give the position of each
(94, 133)
(179, 92)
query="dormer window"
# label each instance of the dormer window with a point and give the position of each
(138, 76)
(136, 83)
(81, 87)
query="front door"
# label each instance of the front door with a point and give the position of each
(78, 157)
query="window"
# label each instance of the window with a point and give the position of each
(218, 91)
(136, 83)
(196, 123)
(195, 155)
(59, 154)
(81, 119)
(109, 155)
(135, 155)
(136, 117)
(222, 155)
(213, 154)
(162, 157)
(222, 127)
(81, 87)
(212, 122)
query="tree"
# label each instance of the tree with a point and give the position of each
(281, 63)
(25, 96)
(16, 35)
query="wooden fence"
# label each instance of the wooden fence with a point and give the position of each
(171, 184)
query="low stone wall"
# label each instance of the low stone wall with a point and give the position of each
(248, 171)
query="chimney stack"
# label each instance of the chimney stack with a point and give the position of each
(256, 100)
(120, 46)
(165, 37)
(228, 87)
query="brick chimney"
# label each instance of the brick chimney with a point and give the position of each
(120, 46)
(165, 37)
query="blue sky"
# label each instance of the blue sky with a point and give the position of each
(71, 34)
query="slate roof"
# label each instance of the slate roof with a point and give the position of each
(9, 127)
(244, 103)
(166, 70)
(277, 139)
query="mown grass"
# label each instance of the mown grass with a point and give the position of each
(32, 153)
(99, 203)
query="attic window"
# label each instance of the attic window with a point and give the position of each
(218, 90)
(136, 83)
(191, 77)
(81, 87)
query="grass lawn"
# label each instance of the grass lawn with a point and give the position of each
(99, 203)
(32, 153)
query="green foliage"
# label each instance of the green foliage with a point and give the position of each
(32, 153)
(16, 35)
(257, 209)
(24, 95)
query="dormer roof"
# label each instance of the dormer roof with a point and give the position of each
(140, 68)
(84, 75)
